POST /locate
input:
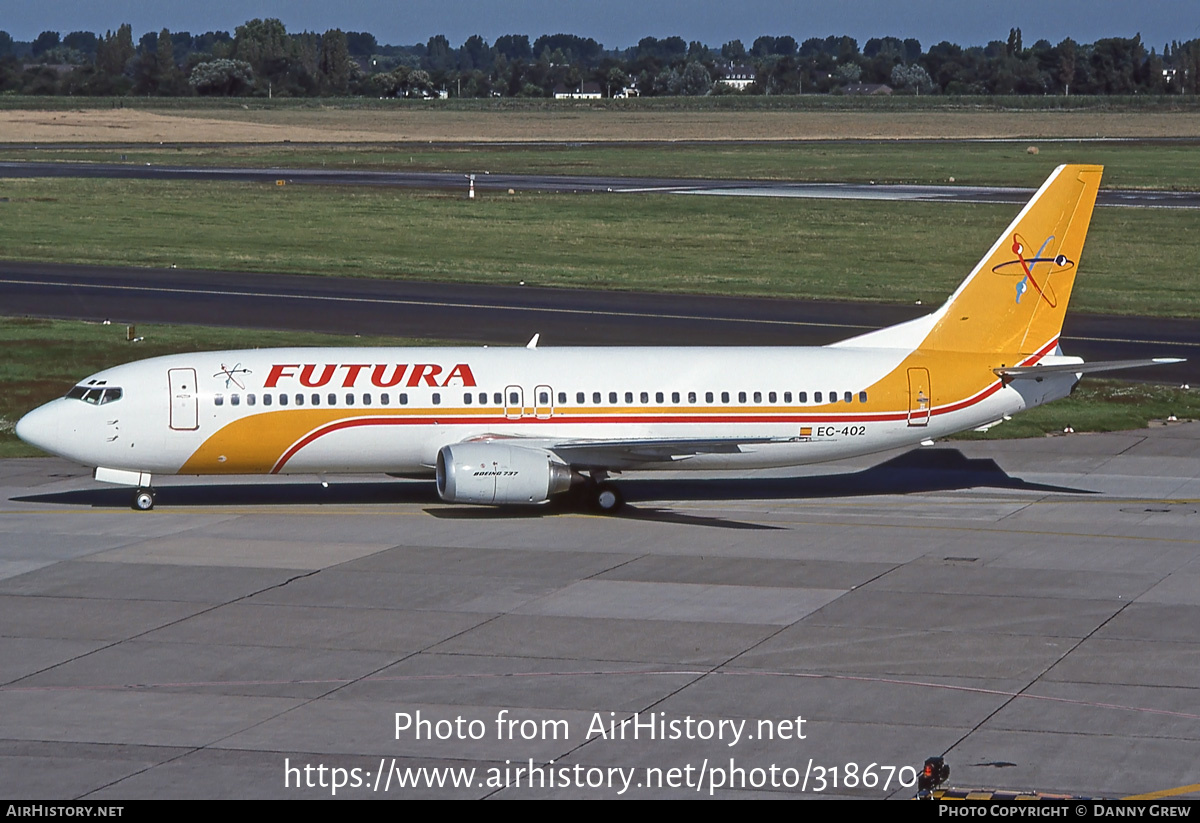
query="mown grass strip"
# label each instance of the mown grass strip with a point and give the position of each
(1136, 260)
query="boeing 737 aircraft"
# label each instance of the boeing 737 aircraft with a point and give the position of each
(507, 426)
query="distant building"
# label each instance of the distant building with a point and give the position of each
(585, 91)
(867, 88)
(738, 77)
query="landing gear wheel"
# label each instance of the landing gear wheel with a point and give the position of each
(143, 500)
(607, 498)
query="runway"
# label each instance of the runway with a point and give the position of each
(510, 315)
(1026, 608)
(584, 184)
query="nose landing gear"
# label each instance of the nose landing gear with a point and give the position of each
(143, 500)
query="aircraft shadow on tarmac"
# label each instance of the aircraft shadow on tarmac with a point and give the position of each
(923, 470)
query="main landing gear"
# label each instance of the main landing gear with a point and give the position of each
(599, 494)
(607, 499)
(143, 500)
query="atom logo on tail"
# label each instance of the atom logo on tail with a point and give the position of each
(1025, 267)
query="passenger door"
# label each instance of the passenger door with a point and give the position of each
(185, 405)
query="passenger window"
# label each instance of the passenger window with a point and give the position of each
(483, 398)
(848, 397)
(543, 398)
(612, 397)
(658, 397)
(349, 399)
(772, 397)
(787, 397)
(645, 397)
(385, 399)
(595, 397)
(283, 399)
(674, 397)
(580, 397)
(513, 398)
(332, 399)
(562, 397)
(437, 399)
(741, 397)
(862, 397)
(816, 397)
(299, 400)
(802, 397)
(235, 400)
(724, 397)
(219, 400)
(497, 399)
(708, 397)
(628, 397)
(249, 400)
(691, 397)
(467, 398)
(316, 399)
(403, 399)
(266, 399)
(758, 397)
(367, 399)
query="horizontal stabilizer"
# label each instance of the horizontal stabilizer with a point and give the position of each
(1012, 372)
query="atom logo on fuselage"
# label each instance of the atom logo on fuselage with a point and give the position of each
(230, 375)
(1027, 269)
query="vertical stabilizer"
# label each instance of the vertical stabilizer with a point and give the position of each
(1016, 298)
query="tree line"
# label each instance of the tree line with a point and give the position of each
(261, 58)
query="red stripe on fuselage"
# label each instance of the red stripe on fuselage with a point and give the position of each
(490, 420)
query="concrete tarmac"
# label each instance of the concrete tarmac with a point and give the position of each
(1027, 608)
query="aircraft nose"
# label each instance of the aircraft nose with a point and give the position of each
(39, 427)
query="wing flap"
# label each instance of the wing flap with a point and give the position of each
(627, 453)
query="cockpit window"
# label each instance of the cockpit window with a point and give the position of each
(95, 395)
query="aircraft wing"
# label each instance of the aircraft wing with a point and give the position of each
(623, 454)
(628, 453)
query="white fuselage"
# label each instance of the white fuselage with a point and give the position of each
(336, 410)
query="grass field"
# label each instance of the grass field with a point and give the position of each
(1154, 165)
(43, 358)
(1099, 406)
(1135, 261)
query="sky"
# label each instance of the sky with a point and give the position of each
(621, 23)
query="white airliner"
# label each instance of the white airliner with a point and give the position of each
(520, 425)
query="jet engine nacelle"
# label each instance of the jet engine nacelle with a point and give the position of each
(499, 473)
